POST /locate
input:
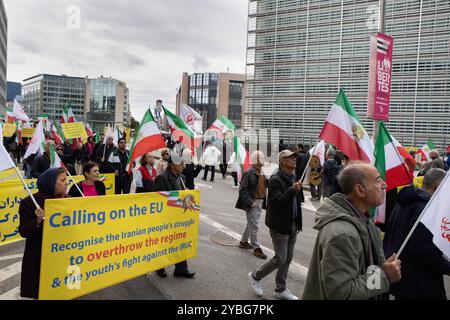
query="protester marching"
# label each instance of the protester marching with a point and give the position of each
(364, 191)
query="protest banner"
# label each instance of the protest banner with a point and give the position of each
(89, 245)
(28, 132)
(74, 130)
(9, 129)
(13, 191)
(9, 174)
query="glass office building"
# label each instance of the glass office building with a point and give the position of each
(212, 95)
(48, 94)
(108, 103)
(300, 52)
(3, 55)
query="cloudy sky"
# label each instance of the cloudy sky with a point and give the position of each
(146, 43)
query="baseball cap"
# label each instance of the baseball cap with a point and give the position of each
(175, 159)
(286, 154)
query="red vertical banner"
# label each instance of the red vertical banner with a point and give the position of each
(380, 76)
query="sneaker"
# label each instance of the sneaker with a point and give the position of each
(235, 187)
(259, 254)
(285, 295)
(245, 245)
(256, 285)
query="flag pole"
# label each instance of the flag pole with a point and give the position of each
(26, 187)
(76, 185)
(309, 161)
(421, 215)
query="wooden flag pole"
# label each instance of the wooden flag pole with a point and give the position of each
(26, 187)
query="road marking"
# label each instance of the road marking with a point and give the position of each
(10, 271)
(202, 185)
(295, 267)
(13, 294)
(11, 257)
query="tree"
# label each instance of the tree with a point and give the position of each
(134, 124)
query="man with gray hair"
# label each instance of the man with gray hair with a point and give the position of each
(423, 264)
(252, 195)
(348, 260)
(42, 162)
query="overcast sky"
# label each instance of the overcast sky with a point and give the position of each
(146, 43)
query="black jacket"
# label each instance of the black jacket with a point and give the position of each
(104, 166)
(247, 190)
(99, 186)
(168, 181)
(40, 165)
(302, 161)
(190, 173)
(423, 264)
(279, 215)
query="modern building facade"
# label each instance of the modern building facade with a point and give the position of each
(213, 95)
(13, 91)
(48, 94)
(3, 55)
(99, 101)
(107, 102)
(300, 52)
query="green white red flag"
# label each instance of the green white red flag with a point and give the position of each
(181, 131)
(424, 152)
(37, 141)
(242, 157)
(67, 116)
(148, 138)
(391, 165)
(343, 129)
(55, 160)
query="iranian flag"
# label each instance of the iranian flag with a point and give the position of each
(37, 142)
(89, 130)
(192, 118)
(67, 116)
(55, 136)
(148, 138)
(391, 165)
(425, 151)
(55, 160)
(343, 129)
(16, 113)
(242, 157)
(436, 216)
(180, 129)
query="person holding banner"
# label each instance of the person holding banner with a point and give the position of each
(171, 180)
(423, 264)
(91, 186)
(51, 184)
(348, 262)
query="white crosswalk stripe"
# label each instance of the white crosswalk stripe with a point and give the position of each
(15, 256)
(13, 294)
(10, 271)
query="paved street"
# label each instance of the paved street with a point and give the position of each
(221, 269)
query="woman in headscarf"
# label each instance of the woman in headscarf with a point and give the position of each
(91, 186)
(51, 184)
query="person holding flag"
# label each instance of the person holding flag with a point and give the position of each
(51, 184)
(423, 264)
(42, 162)
(118, 161)
(103, 152)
